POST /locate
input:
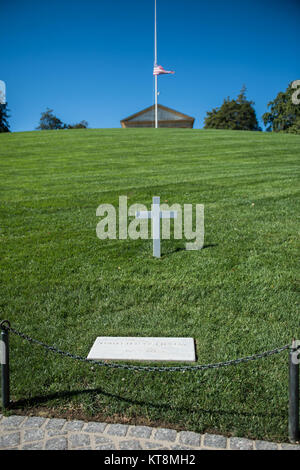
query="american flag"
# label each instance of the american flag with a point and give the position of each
(159, 70)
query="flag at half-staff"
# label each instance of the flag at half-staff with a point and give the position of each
(159, 70)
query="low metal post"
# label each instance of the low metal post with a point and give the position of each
(4, 344)
(294, 391)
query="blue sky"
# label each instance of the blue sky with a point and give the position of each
(93, 59)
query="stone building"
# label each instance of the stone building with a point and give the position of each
(167, 117)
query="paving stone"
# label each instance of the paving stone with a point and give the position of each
(237, 443)
(12, 421)
(56, 432)
(34, 421)
(33, 435)
(143, 432)
(180, 447)
(55, 423)
(79, 440)
(165, 435)
(117, 429)
(264, 445)
(130, 445)
(58, 443)
(95, 427)
(74, 425)
(151, 445)
(290, 447)
(190, 438)
(214, 440)
(10, 440)
(106, 447)
(102, 440)
(33, 446)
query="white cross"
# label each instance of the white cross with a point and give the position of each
(156, 214)
(2, 92)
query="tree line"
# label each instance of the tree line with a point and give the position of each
(283, 115)
(49, 122)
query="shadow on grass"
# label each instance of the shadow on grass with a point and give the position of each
(181, 248)
(42, 399)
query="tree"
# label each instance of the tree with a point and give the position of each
(4, 125)
(236, 114)
(50, 122)
(80, 125)
(295, 128)
(284, 115)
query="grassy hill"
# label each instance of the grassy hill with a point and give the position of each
(237, 296)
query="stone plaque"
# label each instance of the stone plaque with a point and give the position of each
(143, 349)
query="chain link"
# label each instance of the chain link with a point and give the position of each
(6, 326)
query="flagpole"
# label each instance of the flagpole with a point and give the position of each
(155, 64)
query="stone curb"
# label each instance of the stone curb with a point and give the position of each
(37, 433)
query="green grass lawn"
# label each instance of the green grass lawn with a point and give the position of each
(237, 296)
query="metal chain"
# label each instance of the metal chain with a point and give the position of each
(6, 326)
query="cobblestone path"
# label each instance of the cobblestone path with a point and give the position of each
(37, 433)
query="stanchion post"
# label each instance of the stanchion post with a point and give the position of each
(4, 345)
(294, 392)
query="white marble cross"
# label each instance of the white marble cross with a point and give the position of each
(2, 92)
(155, 215)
